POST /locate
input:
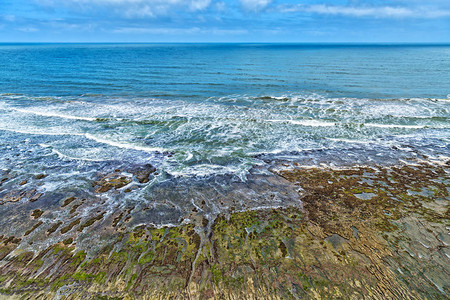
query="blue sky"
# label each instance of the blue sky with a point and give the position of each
(224, 21)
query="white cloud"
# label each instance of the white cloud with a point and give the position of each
(255, 5)
(133, 8)
(220, 6)
(192, 30)
(28, 29)
(9, 18)
(366, 11)
(137, 30)
(154, 8)
(199, 4)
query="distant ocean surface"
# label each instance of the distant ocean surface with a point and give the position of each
(200, 109)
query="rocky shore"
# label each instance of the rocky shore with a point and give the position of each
(360, 233)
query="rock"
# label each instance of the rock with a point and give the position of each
(111, 181)
(54, 228)
(68, 241)
(70, 226)
(36, 197)
(17, 195)
(37, 213)
(68, 201)
(33, 228)
(4, 179)
(337, 246)
(168, 154)
(143, 173)
(132, 188)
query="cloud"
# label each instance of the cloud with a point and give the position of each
(28, 29)
(156, 8)
(225, 20)
(137, 30)
(8, 18)
(192, 30)
(199, 4)
(255, 5)
(220, 6)
(132, 8)
(366, 11)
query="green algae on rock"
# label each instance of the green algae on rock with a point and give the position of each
(391, 245)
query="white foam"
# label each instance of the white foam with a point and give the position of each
(189, 156)
(91, 137)
(123, 145)
(53, 114)
(395, 126)
(350, 141)
(38, 132)
(311, 123)
(208, 169)
(64, 156)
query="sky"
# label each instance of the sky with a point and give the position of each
(225, 21)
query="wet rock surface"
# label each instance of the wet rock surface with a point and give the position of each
(358, 233)
(143, 173)
(113, 181)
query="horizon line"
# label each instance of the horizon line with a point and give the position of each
(249, 43)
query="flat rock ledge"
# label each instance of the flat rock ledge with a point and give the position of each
(364, 233)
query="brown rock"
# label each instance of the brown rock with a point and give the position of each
(143, 173)
(36, 197)
(68, 201)
(37, 213)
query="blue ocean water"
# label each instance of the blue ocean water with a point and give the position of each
(201, 109)
(199, 71)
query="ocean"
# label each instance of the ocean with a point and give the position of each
(198, 111)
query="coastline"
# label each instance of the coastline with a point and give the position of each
(371, 232)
